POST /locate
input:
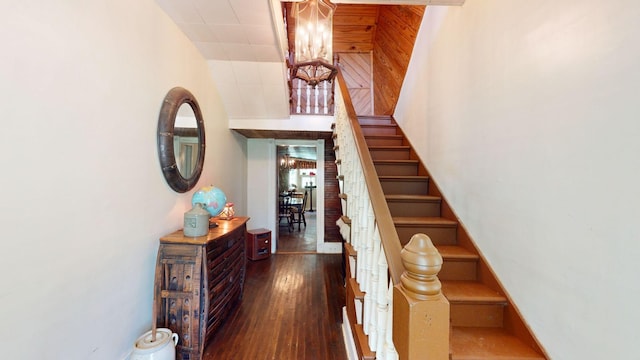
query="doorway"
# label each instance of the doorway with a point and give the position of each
(297, 179)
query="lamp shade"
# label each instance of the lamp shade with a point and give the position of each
(227, 213)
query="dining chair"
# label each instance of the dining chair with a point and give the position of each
(284, 212)
(298, 213)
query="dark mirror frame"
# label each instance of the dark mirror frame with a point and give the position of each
(166, 131)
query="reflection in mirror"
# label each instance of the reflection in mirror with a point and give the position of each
(185, 140)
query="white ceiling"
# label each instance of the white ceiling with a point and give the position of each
(245, 49)
(233, 30)
(238, 38)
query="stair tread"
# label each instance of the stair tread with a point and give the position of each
(359, 294)
(423, 220)
(378, 125)
(471, 292)
(375, 117)
(413, 197)
(349, 250)
(404, 177)
(488, 343)
(390, 147)
(454, 252)
(410, 161)
(383, 136)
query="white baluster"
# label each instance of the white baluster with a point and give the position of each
(366, 318)
(361, 247)
(339, 103)
(390, 350)
(373, 327)
(326, 106)
(299, 99)
(367, 278)
(383, 303)
(368, 250)
(308, 108)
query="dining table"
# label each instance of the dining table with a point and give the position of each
(296, 202)
(293, 200)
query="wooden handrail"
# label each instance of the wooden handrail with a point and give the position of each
(386, 228)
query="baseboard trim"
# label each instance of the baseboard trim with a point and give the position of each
(349, 343)
(330, 248)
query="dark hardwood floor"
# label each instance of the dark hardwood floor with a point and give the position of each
(298, 241)
(291, 309)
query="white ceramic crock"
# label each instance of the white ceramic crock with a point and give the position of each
(164, 348)
(196, 221)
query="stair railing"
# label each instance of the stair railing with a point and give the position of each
(403, 314)
(372, 271)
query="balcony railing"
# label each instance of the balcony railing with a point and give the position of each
(308, 100)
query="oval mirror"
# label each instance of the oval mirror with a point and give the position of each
(181, 141)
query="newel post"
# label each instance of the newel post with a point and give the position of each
(420, 311)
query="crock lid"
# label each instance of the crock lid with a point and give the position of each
(198, 209)
(163, 336)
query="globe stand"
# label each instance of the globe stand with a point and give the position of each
(212, 224)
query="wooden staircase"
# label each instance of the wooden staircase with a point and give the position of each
(484, 322)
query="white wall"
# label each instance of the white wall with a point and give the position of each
(261, 186)
(83, 199)
(526, 114)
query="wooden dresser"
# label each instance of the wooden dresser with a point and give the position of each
(198, 281)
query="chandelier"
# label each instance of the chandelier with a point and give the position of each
(313, 58)
(287, 162)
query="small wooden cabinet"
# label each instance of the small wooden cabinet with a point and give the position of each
(198, 282)
(258, 244)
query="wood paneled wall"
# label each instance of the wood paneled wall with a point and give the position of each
(354, 28)
(393, 44)
(356, 70)
(332, 205)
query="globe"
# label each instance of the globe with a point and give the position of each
(212, 198)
